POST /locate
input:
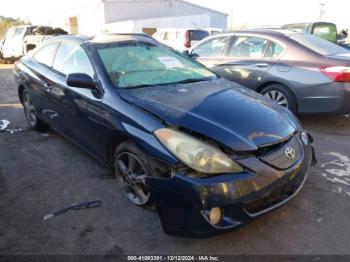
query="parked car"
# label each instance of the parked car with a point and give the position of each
(325, 30)
(213, 30)
(305, 73)
(181, 38)
(19, 40)
(210, 154)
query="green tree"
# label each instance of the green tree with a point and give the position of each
(7, 22)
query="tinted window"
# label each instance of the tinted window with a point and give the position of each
(197, 35)
(326, 31)
(71, 58)
(246, 46)
(46, 54)
(135, 64)
(274, 50)
(318, 45)
(211, 48)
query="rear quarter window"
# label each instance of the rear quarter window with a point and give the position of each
(46, 54)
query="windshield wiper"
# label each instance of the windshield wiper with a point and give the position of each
(187, 81)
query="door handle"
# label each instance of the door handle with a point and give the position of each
(262, 65)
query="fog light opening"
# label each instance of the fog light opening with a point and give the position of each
(215, 215)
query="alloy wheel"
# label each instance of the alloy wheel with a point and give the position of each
(29, 110)
(132, 178)
(278, 97)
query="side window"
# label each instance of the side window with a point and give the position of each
(246, 46)
(19, 31)
(71, 58)
(172, 36)
(212, 48)
(46, 54)
(274, 50)
(328, 32)
(197, 35)
(166, 36)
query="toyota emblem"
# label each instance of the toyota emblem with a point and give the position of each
(290, 153)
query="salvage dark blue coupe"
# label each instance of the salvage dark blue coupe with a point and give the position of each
(208, 154)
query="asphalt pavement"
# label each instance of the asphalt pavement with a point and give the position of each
(43, 172)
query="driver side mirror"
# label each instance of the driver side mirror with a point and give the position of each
(80, 81)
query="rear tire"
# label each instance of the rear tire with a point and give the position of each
(282, 96)
(33, 121)
(131, 167)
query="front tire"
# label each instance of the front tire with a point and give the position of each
(131, 169)
(33, 121)
(282, 96)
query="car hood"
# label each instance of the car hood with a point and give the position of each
(221, 110)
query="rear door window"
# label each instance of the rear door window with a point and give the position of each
(274, 50)
(71, 58)
(248, 46)
(212, 48)
(46, 54)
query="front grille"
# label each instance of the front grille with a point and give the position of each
(281, 157)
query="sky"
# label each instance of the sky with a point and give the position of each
(245, 13)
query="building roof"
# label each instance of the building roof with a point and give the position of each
(203, 7)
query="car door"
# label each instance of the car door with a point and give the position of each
(38, 82)
(210, 53)
(249, 59)
(78, 109)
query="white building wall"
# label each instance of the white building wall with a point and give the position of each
(136, 26)
(133, 15)
(121, 10)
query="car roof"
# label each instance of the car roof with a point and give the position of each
(310, 23)
(103, 39)
(267, 32)
(173, 29)
(262, 32)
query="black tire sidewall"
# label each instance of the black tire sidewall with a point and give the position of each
(292, 104)
(33, 126)
(39, 124)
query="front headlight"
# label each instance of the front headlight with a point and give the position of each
(196, 154)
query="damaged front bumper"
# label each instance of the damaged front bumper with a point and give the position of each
(184, 203)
